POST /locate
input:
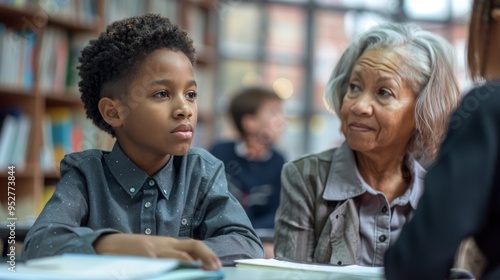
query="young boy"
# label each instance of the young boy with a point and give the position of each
(137, 83)
(253, 167)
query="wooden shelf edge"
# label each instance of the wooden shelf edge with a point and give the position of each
(64, 99)
(15, 91)
(31, 18)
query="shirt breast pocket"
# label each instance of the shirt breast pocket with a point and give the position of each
(338, 241)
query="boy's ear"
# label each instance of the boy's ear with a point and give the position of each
(109, 109)
(495, 14)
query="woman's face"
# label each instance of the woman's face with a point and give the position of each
(378, 110)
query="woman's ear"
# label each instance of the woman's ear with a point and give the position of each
(495, 14)
(109, 109)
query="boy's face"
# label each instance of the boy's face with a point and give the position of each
(160, 112)
(270, 121)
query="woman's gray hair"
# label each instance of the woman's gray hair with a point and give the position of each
(427, 66)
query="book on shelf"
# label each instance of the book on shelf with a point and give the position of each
(53, 61)
(63, 133)
(47, 160)
(14, 135)
(77, 41)
(16, 58)
(84, 267)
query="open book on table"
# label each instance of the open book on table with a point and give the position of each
(97, 267)
(353, 270)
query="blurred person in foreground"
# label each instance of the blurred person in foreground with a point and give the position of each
(462, 189)
(393, 89)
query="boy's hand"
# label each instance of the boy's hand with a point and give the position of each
(157, 247)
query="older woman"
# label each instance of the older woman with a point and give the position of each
(462, 195)
(393, 89)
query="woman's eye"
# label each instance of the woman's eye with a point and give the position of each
(192, 95)
(384, 93)
(353, 87)
(161, 94)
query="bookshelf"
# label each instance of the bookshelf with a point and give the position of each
(38, 81)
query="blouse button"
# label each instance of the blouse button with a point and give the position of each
(184, 221)
(132, 190)
(147, 231)
(382, 238)
(147, 205)
(151, 182)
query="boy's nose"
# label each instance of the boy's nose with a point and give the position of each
(183, 110)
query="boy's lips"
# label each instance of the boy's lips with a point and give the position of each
(183, 131)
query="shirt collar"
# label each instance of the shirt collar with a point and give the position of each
(131, 178)
(240, 148)
(344, 180)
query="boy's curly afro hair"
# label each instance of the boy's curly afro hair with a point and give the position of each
(119, 50)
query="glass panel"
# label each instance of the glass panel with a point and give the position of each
(358, 22)
(293, 1)
(286, 32)
(236, 74)
(233, 75)
(288, 82)
(427, 9)
(458, 38)
(325, 133)
(460, 9)
(117, 10)
(167, 8)
(329, 43)
(291, 142)
(237, 36)
(383, 5)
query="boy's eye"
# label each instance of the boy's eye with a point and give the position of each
(161, 94)
(192, 95)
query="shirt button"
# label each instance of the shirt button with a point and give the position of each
(147, 205)
(382, 238)
(132, 190)
(151, 182)
(384, 210)
(184, 221)
(147, 231)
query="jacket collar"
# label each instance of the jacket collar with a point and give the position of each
(345, 182)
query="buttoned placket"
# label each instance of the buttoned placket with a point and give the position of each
(149, 198)
(382, 233)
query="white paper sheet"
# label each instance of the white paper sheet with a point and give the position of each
(85, 267)
(373, 272)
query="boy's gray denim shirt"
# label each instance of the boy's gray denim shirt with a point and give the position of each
(104, 192)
